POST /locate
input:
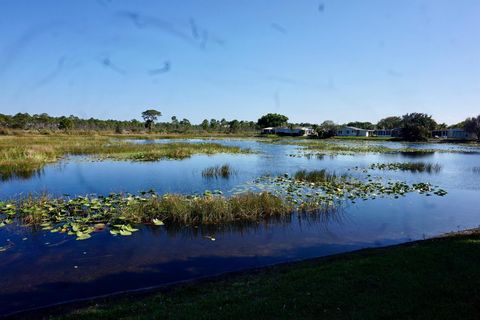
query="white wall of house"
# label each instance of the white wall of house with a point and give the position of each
(354, 132)
(289, 132)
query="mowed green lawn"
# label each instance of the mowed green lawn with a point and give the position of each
(433, 279)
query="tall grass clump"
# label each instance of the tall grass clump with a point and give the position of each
(223, 171)
(316, 176)
(415, 167)
(81, 216)
(178, 209)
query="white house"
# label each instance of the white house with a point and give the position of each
(268, 130)
(285, 131)
(354, 132)
(303, 131)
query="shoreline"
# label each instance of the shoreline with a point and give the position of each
(67, 307)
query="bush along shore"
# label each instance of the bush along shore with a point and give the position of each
(314, 192)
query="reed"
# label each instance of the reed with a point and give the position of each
(81, 216)
(223, 171)
(415, 167)
(316, 176)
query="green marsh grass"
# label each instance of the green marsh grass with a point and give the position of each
(415, 167)
(316, 176)
(21, 156)
(83, 215)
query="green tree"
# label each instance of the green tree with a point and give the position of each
(390, 123)
(66, 123)
(472, 126)
(205, 124)
(361, 125)
(234, 126)
(417, 126)
(272, 120)
(214, 123)
(327, 129)
(21, 121)
(150, 116)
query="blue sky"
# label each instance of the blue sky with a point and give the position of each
(342, 60)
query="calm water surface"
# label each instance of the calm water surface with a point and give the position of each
(40, 268)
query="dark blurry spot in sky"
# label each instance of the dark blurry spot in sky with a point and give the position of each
(166, 68)
(11, 52)
(53, 74)
(107, 63)
(276, 100)
(321, 7)
(193, 25)
(394, 73)
(282, 79)
(279, 28)
(104, 2)
(196, 36)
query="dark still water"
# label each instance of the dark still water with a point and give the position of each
(38, 268)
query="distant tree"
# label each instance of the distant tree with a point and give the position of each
(390, 123)
(361, 125)
(234, 126)
(213, 123)
(272, 120)
(21, 121)
(150, 116)
(417, 126)
(460, 125)
(205, 124)
(185, 123)
(472, 126)
(327, 129)
(66, 123)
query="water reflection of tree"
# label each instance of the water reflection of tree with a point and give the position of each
(23, 174)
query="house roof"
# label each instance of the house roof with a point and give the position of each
(355, 128)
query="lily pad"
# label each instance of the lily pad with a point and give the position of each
(158, 222)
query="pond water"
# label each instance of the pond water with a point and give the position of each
(39, 268)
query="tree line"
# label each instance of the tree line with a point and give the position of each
(45, 122)
(412, 126)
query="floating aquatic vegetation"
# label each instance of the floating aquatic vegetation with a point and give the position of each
(334, 147)
(316, 176)
(223, 171)
(407, 166)
(310, 155)
(120, 213)
(320, 187)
